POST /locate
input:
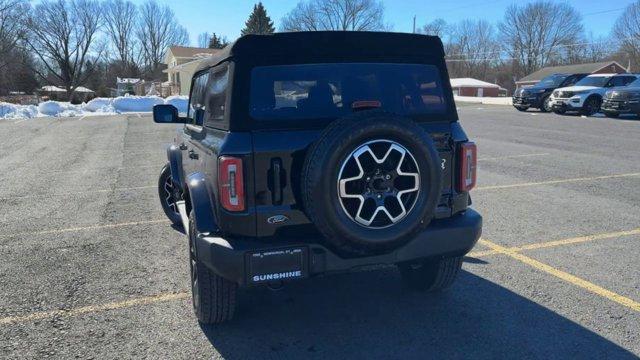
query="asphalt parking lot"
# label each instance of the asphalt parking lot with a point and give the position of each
(91, 269)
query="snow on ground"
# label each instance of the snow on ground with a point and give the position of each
(13, 111)
(136, 103)
(97, 106)
(484, 100)
(180, 102)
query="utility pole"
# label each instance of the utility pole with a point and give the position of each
(414, 24)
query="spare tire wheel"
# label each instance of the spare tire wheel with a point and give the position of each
(370, 182)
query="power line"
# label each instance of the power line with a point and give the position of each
(530, 48)
(604, 11)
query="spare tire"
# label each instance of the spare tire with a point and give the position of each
(371, 181)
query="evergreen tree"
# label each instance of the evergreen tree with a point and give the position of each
(259, 22)
(217, 42)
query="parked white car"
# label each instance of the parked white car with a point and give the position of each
(586, 95)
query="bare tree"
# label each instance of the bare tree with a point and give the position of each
(345, 15)
(533, 32)
(12, 17)
(473, 48)
(627, 31)
(157, 30)
(204, 39)
(121, 19)
(597, 49)
(62, 34)
(437, 27)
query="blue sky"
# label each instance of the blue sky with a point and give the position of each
(228, 17)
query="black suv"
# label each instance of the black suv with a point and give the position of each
(319, 152)
(538, 95)
(622, 100)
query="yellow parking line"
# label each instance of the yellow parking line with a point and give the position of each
(576, 240)
(554, 243)
(560, 181)
(494, 249)
(84, 228)
(512, 156)
(572, 279)
(94, 308)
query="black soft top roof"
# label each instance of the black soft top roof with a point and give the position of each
(322, 43)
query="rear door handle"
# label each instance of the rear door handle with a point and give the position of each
(193, 155)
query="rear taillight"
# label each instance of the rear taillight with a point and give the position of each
(468, 160)
(231, 183)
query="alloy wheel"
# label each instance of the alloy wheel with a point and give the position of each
(378, 183)
(169, 195)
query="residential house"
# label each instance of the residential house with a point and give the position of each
(181, 63)
(604, 67)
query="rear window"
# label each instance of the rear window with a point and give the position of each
(315, 91)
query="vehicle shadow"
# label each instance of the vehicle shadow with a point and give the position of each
(369, 315)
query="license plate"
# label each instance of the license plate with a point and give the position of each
(277, 265)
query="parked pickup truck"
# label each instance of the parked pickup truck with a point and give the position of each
(310, 153)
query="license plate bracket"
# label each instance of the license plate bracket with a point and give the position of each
(276, 265)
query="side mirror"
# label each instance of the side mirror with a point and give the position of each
(167, 114)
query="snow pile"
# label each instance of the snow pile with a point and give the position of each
(136, 103)
(180, 102)
(97, 106)
(100, 105)
(13, 111)
(57, 108)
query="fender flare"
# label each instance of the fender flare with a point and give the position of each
(201, 204)
(174, 155)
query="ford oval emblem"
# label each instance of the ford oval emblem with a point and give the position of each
(277, 219)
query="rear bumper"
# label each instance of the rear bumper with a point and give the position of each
(453, 236)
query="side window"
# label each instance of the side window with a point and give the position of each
(216, 96)
(618, 81)
(629, 79)
(197, 106)
(571, 81)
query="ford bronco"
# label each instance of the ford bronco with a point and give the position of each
(310, 153)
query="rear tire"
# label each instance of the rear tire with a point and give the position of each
(214, 297)
(430, 275)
